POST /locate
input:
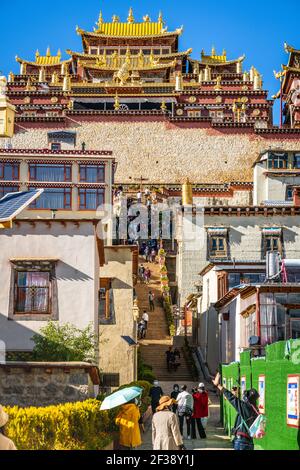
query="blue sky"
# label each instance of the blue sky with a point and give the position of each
(256, 28)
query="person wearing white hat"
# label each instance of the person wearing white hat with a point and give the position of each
(5, 443)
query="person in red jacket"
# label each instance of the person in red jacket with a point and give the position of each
(200, 411)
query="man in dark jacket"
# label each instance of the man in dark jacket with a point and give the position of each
(247, 414)
(155, 393)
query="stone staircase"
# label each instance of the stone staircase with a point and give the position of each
(157, 342)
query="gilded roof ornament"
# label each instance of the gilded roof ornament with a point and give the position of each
(147, 19)
(160, 18)
(130, 18)
(116, 19)
(48, 53)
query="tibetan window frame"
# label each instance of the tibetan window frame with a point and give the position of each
(272, 241)
(15, 171)
(218, 238)
(106, 302)
(34, 266)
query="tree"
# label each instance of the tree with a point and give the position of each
(65, 343)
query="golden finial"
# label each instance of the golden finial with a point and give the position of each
(147, 19)
(117, 103)
(202, 53)
(141, 58)
(11, 77)
(163, 106)
(37, 54)
(116, 19)
(100, 20)
(160, 18)
(48, 53)
(151, 57)
(54, 79)
(224, 53)
(59, 53)
(218, 86)
(130, 18)
(213, 51)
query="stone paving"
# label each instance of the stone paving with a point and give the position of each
(216, 437)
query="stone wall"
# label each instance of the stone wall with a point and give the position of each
(164, 152)
(27, 384)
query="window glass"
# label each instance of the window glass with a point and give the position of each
(293, 299)
(9, 171)
(32, 292)
(297, 161)
(53, 199)
(289, 193)
(233, 280)
(52, 173)
(8, 189)
(90, 199)
(92, 173)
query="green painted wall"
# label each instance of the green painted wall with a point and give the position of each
(279, 362)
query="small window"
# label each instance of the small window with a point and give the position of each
(34, 290)
(106, 302)
(289, 193)
(277, 161)
(297, 161)
(94, 51)
(55, 147)
(110, 380)
(218, 246)
(272, 243)
(166, 51)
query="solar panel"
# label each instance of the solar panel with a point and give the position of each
(129, 340)
(13, 203)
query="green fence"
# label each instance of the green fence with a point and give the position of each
(270, 376)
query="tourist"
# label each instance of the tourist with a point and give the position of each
(146, 253)
(185, 410)
(139, 197)
(128, 421)
(147, 275)
(247, 413)
(145, 317)
(169, 357)
(177, 354)
(174, 395)
(155, 393)
(151, 298)
(5, 443)
(142, 330)
(152, 255)
(142, 273)
(200, 411)
(165, 430)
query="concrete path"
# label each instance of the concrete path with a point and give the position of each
(216, 437)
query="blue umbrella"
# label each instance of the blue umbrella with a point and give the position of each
(120, 397)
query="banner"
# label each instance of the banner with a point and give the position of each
(293, 401)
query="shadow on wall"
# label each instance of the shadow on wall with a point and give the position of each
(66, 272)
(15, 336)
(289, 235)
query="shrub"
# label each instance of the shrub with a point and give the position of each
(71, 426)
(170, 318)
(64, 343)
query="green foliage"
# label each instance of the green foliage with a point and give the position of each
(169, 318)
(145, 371)
(64, 343)
(72, 426)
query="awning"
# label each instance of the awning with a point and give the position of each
(217, 231)
(272, 231)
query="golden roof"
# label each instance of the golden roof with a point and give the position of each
(44, 61)
(131, 29)
(216, 59)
